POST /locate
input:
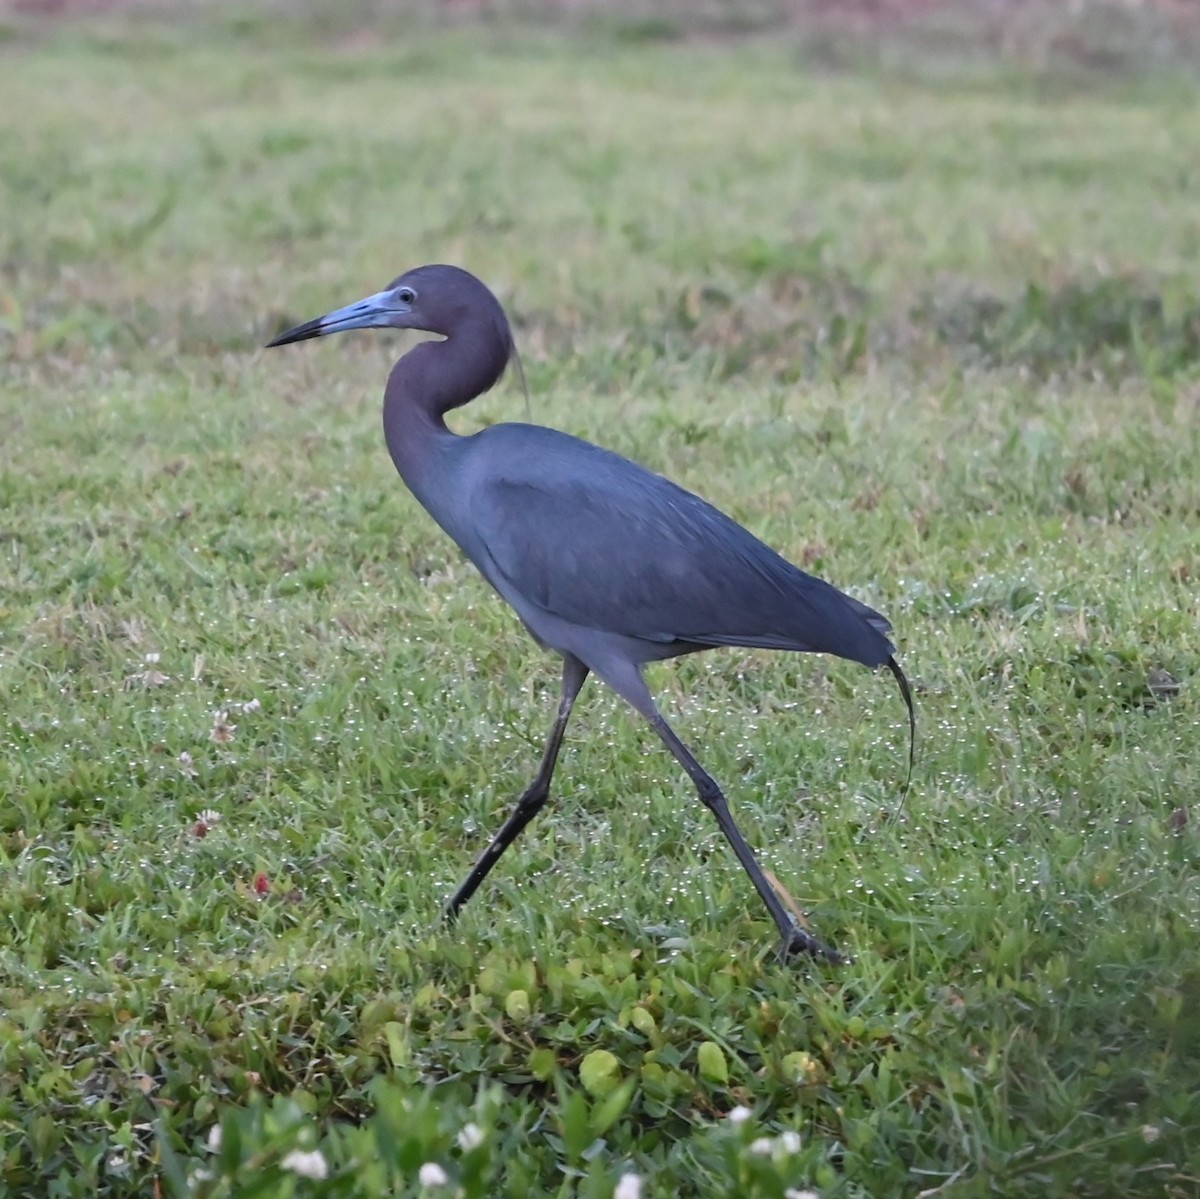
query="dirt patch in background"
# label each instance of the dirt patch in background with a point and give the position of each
(1056, 37)
(862, 13)
(54, 8)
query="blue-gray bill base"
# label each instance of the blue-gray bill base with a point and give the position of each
(606, 563)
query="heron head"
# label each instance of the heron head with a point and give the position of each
(434, 299)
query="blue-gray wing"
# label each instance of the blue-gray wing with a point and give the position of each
(617, 548)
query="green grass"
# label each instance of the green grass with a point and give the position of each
(937, 339)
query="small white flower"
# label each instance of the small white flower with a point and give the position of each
(739, 1115)
(762, 1147)
(432, 1175)
(223, 728)
(210, 816)
(152, 658)
(629, 1187)
(796, 1193)
(145, 678)
(214, 1139)
(251, 705)
(1150, 1133)
(788, 1142)
(307, 1165)
(471, 1137)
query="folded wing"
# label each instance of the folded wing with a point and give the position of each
(617, 548)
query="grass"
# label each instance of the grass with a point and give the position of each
(934, 337)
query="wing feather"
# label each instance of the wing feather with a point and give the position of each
(617, 548)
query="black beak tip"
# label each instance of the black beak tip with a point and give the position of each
(299, 333)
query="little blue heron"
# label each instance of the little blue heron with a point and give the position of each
(606, 563)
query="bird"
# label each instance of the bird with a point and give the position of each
(607, 563)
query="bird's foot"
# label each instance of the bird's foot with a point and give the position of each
(797, 942)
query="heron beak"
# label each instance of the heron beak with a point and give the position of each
(380, 311)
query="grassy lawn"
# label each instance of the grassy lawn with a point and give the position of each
(933, 334)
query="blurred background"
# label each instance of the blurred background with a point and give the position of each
(910, 289)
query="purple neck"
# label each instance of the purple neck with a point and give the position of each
(428, 382)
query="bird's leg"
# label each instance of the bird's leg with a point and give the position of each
(534, 797)
(795, 939)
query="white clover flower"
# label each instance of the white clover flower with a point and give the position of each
(762, 1146)
(145, 678)
(307, 1165)
(470, 1137)
(628, 1187)
(739, 1115)
(788, 1142)
(432, 1175)
(223, 729)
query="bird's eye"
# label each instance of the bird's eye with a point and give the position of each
(405, 295)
